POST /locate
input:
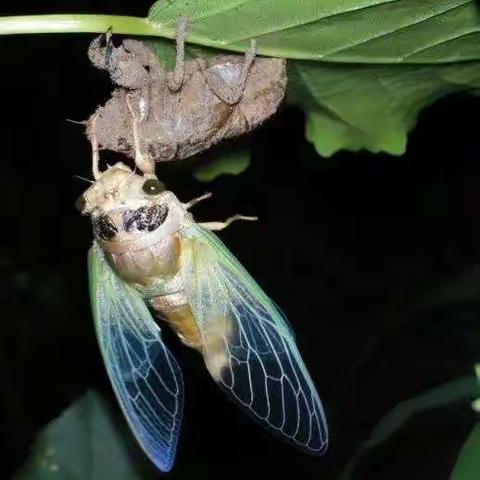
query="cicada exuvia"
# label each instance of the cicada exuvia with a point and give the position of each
(150, 256)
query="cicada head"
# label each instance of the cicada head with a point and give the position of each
(126, 207)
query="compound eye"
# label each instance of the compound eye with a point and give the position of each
(80, 203)
(153, 186)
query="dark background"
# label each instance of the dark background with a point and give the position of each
(346, 246)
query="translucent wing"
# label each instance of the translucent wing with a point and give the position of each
(145, 377)
(248, 347)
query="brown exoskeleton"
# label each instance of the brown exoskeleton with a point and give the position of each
(185, 111)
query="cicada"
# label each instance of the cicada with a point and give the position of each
(151, 264)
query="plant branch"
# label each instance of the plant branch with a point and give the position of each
(82, 23)
(85, 23)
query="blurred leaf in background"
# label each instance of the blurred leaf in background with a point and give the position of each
(232, 162)
(476, 402)
(468, 462)
(84, 443)
(461, 390)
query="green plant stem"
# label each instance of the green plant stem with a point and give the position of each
(85, 23)
(82, 23)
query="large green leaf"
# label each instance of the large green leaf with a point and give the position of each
(463, 389)
(82, 444)
(353, 31)
(467, 466)
(372, 107)
(375, 63)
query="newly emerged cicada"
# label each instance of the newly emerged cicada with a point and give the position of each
(150, 256)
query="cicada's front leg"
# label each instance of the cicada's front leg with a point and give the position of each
(215, 226)
(193, 202)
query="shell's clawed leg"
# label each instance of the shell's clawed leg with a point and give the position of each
(229, 90)
(95, 151)
(193, 202)
(144, 162)
(109, 49)
(215, 226)
(175, 78)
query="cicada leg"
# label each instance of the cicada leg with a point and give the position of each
(215, 226)
(193, 202)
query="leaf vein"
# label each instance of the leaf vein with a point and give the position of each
(391, 32)
(441, 42)
(307, 22)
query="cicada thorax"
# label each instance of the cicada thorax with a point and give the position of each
(136, 247)
(152, 266)
(154, 270)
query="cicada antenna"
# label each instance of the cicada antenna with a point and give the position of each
(83, 178)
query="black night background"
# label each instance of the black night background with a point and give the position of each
(349, 247)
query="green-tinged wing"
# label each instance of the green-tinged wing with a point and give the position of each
(145, 377)
(248, 348)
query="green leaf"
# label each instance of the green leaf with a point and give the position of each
(377, 62)
(165, 51)
(467, 466)
(372, 107)
(352, 31)
(476, 402)
(463, 288)
(462, 389)
(82, 444)
(231, 162)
